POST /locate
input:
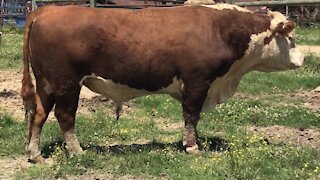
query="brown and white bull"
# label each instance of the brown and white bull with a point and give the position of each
(195, 54)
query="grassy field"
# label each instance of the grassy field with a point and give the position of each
(11, 48)
(146, 142)
(308, 36)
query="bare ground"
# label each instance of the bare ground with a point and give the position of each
(11, 103)
(309, 49)
(9, 166)
(286, 135)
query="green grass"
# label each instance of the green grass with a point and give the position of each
(306, 77)
(11, 48)
(308, 36)
(262, 113)
(11, 136)
(110, 149)
(137, 146)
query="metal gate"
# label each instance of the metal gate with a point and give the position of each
(13, 12)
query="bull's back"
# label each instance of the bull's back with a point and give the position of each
(141, 49)
(87, 29)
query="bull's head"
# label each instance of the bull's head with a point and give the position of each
(279, 51)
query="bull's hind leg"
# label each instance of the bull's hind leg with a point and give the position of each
(65, 111)
(44, 103)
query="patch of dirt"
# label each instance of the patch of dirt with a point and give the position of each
(310, 49)
(10, 100)
(284, 135)
(8, 167)
(311, 98)
(97, 175)
(169, 126)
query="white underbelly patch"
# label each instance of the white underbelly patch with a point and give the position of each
(121, 93)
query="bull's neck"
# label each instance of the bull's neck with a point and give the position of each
(222, 88)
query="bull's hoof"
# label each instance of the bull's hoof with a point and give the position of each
(76, 152)
(193, 149)
(37, 159)
(75, 149)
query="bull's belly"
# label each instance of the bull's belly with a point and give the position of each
(121, 93)
(220, 90)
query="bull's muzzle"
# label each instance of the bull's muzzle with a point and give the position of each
(296, 58)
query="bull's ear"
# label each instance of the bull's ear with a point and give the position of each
(284, 28)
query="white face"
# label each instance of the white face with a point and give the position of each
(280, 53)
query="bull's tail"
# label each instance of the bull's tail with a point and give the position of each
(28, 89)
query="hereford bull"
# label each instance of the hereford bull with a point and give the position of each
(195, 54)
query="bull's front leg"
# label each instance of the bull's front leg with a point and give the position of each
(190, 136)
(193, 99)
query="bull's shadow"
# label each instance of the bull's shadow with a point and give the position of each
(214, 144)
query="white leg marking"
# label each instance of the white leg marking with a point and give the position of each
(73, 144)
(33, 146)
